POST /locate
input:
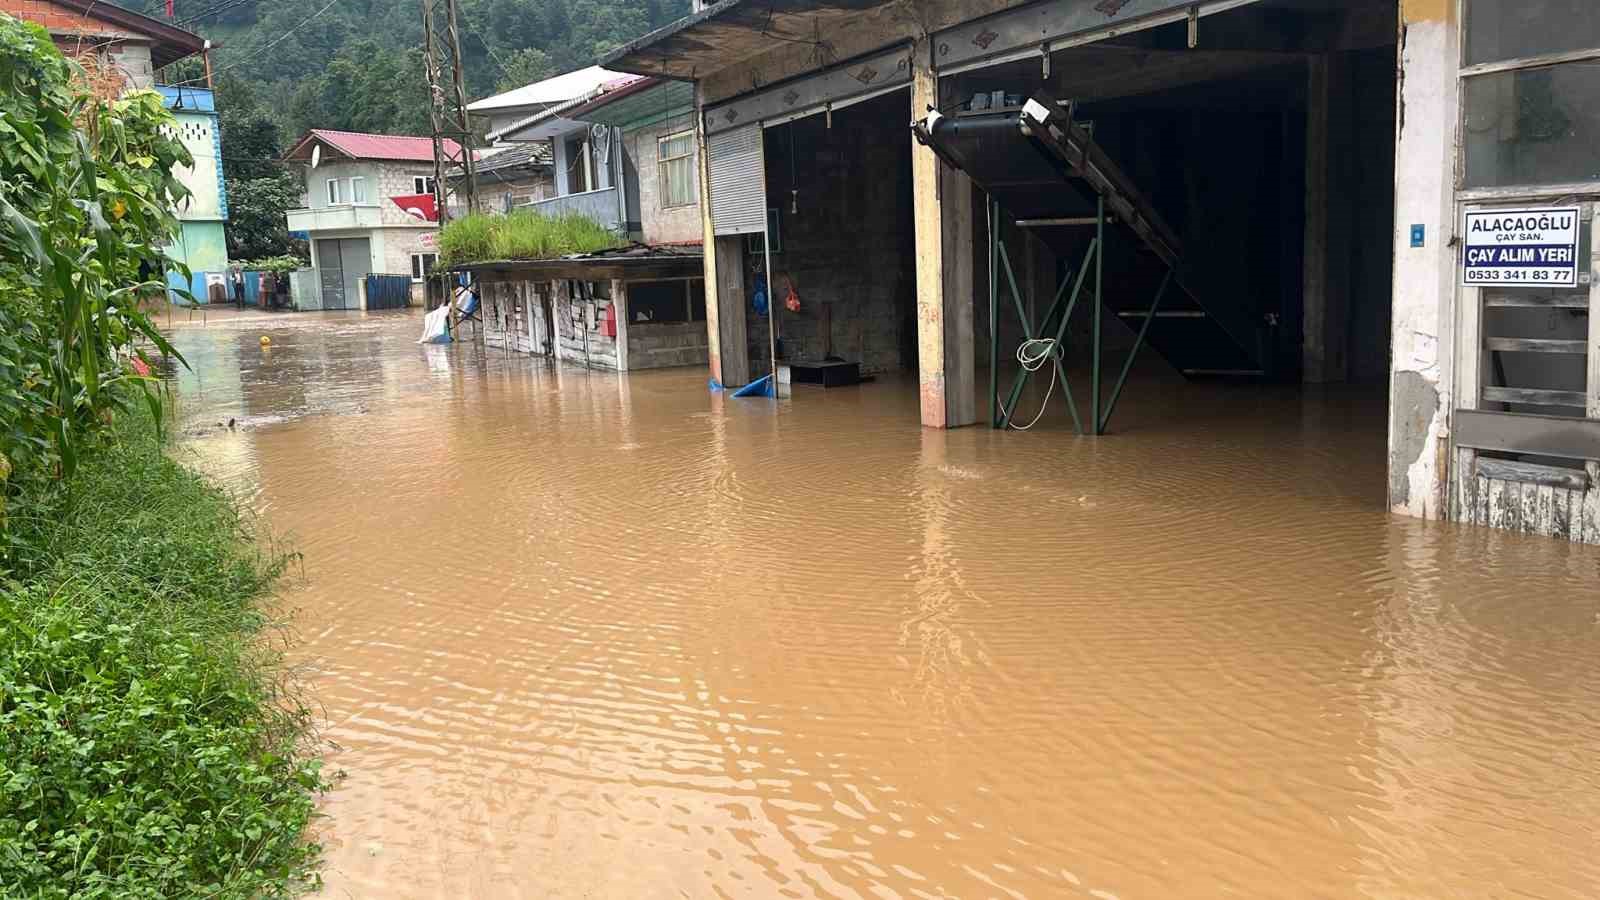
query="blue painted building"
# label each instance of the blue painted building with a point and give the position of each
(202, 243)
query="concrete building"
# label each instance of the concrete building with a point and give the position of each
(1265, 189)
(510, 176)
(369, 210)
(202, 243)
(639, 307)
(122, 50)
(590, 174)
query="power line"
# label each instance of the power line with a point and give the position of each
(263, 48)
(220, 7)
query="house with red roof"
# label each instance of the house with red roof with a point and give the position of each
(369, 210)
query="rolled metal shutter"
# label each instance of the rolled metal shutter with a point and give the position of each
(738, 181)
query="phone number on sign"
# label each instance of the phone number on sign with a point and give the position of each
(1557, 276)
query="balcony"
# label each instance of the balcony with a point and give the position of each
(600, 206)
(330, 218)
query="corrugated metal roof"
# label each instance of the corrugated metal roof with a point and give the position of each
(559, 111)
(645, 100)
(558, 89)
(360, 145)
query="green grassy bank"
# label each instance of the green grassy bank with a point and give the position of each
(148, 746)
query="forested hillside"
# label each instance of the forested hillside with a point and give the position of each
(357, 64)
(284, 66)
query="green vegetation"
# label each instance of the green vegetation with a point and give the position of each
(521, 235)
(146, 747)
(281, 265)
(357, 65)
(86, 198)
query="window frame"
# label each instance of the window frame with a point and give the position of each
(1465, 72)
(1473, 365)
(358, 197)
(423, 184)
(335, 195)
(420, 269)
(662, 161)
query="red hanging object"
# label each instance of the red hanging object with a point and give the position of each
(169, 9)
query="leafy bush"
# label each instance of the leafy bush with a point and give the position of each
(87, 193)
(278, 264)
(523, 234)
(147, 748)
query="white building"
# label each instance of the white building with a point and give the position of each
(369, 209)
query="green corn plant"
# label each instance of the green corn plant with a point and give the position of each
(87, 198)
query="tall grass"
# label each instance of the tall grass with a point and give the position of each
(148, 744)
(523, 234)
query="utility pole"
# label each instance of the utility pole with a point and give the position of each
(447, 112)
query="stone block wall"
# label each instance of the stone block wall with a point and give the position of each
(660, 345)
(844, 200)
(394, 179)
(663, 225)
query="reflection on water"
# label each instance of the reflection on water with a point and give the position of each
(584, 636)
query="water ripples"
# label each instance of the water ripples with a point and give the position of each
(579, 635)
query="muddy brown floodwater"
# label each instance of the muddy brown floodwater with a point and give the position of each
(586, 636)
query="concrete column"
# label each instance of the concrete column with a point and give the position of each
(1422, 331)
(726, 348)
(619, 312)
(1329, 191)
(942, 214)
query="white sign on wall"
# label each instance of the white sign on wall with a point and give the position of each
(1535, 247)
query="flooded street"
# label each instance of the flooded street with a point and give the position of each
(578, 635)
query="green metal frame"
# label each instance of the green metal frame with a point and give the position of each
(1093, 260)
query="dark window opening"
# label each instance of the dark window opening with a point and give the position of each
(666, 302)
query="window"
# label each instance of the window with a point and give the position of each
(1530, 93)
(667, 302)
(580, 168)
(675, 158)
(422, 184)
(1499, 30)
(358, 190)
(333, 192)
(422, 265)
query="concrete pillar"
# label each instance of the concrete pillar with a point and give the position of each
(723, 267)
(1422, 331)
(619, 312)
(942, 214)
(1329, 208)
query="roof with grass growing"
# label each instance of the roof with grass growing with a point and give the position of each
(521, 235)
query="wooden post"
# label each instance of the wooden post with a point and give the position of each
(731, 349)
(710, 258)
(1588, 528)
(619, 315)
(942, 215)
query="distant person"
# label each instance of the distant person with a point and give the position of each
(236, 279)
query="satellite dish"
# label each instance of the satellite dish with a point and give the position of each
(316, 155)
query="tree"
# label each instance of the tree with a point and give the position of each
(523, 67)
(256, 207)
